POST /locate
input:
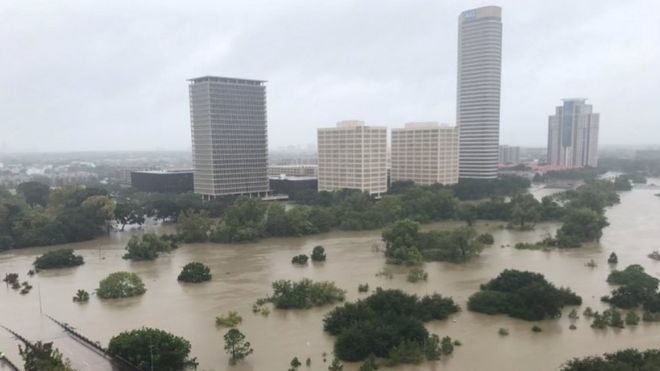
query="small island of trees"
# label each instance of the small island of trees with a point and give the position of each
(195, 272)
(152, 349)
(120, 285)
(405, 244)
(628, 359)
(388, 324)
(304, 294)
(524, 295)
(61, 258)
(149, 246)
(636, 288)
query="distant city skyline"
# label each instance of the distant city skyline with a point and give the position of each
(82, 78)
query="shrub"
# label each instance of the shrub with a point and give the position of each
(417, 274)
(628, 359)
(62, 258)
(318, 254)
(613, 259)
(147, 247)
(152, 349)
(536, 328)
(486, 239)
(120, 285)
(503, 331)
(195, 272)
(632, 318)
(232, 319)
(299, 259)
(305, 294)
(363, 287)
(81, 296)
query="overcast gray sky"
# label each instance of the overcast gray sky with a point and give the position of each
(110, 75)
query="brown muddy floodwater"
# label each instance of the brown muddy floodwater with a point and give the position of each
(243, 273)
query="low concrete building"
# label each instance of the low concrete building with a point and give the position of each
(290, 185)
(163, 181)
(293, 170)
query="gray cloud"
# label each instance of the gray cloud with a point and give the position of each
(83, 75)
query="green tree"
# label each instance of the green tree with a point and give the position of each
(195, 272)
(43, 357)
(401, 242)
(34, 193)
(152, 349)
(318, 254)
(336, 365)
(194, 226)
(147, 247)
(622, 183)
(524, 209)
(81, 296)
(369, 365)
(61, 258)
(581, 225)
(129, 213)
(300, 259)
(236, 346)
(295, 363)
(524, 295)
(120, 285)
(467, 212)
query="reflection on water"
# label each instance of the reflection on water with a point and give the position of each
(243, 273)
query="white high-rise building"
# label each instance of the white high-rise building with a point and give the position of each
(426, 153)
(478, 92)
(229, 136)
(352, 156)
(573, 134)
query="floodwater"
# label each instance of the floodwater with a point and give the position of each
(243, 273)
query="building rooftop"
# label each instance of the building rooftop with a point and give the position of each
(294, 178)
(162, 172)
(230, 80)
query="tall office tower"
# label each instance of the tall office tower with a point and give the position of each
(509, 155)
(425, 153)
(229, 136)
(478, 91)
(573, 135)
(353, 156)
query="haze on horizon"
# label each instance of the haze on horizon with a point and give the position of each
(83, 75)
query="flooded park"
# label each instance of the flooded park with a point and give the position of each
(242, 273)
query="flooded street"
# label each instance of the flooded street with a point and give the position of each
(243, 273)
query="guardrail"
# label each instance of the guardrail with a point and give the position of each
(116, 360)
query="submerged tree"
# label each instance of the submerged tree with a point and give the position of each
(43, 357)
(318, 254)
(120, 285)
(81, 296)
(613, 259)
(195, 272)
(236, 345)
(153, 349)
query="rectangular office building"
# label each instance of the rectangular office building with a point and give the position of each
(353, 156)
(425, 153)
(229, 136)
